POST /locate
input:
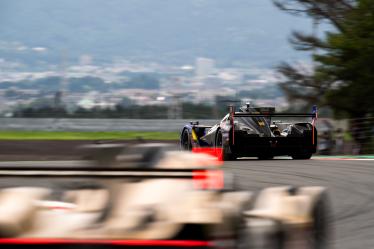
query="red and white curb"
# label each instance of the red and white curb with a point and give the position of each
(342, 159)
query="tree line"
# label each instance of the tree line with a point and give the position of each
(342, 74)
(187, 111)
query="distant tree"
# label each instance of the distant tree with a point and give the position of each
(42, 112)
(343, 73)
(125, 102)
(349, 63)
(301, 82)
(197, 111)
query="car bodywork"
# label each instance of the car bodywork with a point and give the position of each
(167, 200)
(251, 132)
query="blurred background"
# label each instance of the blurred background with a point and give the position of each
(105, 66)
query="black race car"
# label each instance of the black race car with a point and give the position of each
(251, 132)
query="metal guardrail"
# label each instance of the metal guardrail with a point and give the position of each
(360, 129)
(66, 124)
(69, 124)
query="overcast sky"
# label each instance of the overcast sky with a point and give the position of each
(34, 32)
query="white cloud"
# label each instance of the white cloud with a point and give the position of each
(187, 68)
(39, 49)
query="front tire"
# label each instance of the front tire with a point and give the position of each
(321, 229)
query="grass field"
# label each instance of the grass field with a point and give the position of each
(64, 135)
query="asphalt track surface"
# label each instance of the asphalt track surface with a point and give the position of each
(350, 184)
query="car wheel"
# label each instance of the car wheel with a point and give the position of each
(186, 141)
(243, 236)
(275, 239)
(223, 151)
(265, 157)
(321, 228)
(302, 156)
(219, 145)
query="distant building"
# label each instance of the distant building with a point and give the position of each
(58, 99)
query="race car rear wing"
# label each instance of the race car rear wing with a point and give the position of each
(207, 177)
(301, 115)
(270, 112)
(202, 178)
(94, 172)
(267, 112)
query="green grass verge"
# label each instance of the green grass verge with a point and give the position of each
(105, 135)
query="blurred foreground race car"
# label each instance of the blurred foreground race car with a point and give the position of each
(146, 197)
(252, 133)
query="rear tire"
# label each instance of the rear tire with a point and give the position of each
(186, 140)
(302, 156)
(224, 153)
(265, 157)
